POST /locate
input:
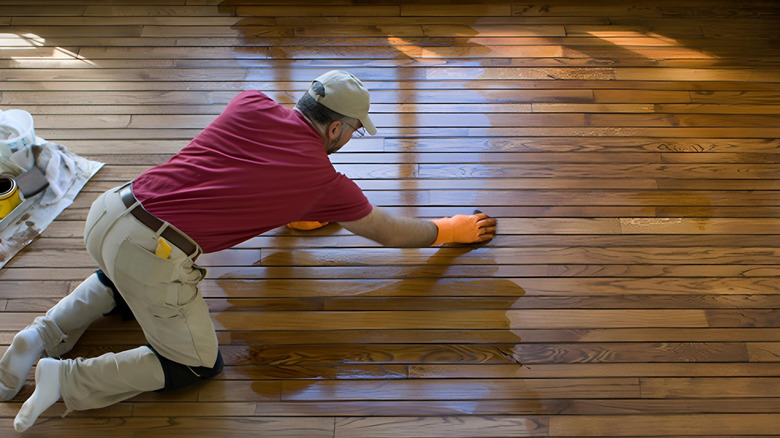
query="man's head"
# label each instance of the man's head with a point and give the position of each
(337, 103)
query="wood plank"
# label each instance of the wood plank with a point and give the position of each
(402, 38)
(456, 389)
(612, 145)
(411, 287)
(441, 427)
(678, 171)
(298, 11)
(685, 292)
(708, 387)
(487, 302)
(569, 255)
(468, 271)
(485, 319)
(298, 83)
(390, 20)
(627, 425)
(428, 371)
(9, 410)
(516, 407)
(224, 426)
(120, 334)
(335, 272)
(162, 11)
(484, 407)
(498, 354)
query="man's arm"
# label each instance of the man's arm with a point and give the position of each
(406, 232)
(393, 231)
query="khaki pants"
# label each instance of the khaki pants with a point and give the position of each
(162, 293)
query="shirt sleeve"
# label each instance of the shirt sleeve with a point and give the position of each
(341, 201)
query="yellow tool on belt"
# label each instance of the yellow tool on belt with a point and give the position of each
(163, 250)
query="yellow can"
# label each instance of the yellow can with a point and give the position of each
(9, 196)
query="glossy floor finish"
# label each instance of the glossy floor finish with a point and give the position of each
(629, 150)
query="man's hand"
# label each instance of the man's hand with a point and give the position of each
(461, 228)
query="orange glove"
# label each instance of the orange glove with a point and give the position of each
(462, 228)
(306, 225)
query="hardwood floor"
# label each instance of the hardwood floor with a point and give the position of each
(629, 149)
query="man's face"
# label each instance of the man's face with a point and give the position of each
(340, 138)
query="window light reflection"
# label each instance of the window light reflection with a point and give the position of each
(27, 41)
(646, 44)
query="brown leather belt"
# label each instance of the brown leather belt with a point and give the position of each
(154, 224)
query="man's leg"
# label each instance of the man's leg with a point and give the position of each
(91, 383)
(55, 333)
(163, 296)
(162, 293)
(105, 380)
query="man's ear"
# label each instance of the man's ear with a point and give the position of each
(334, 129)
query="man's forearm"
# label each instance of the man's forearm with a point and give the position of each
(394, 231)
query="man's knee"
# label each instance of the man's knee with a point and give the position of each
(180, 376)
(121, 305)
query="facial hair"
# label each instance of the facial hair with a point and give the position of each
(334, 144)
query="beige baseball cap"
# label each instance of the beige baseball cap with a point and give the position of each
(345, 94)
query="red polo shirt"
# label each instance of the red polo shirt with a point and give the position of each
(257, 166)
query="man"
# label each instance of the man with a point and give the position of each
(257, 166)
